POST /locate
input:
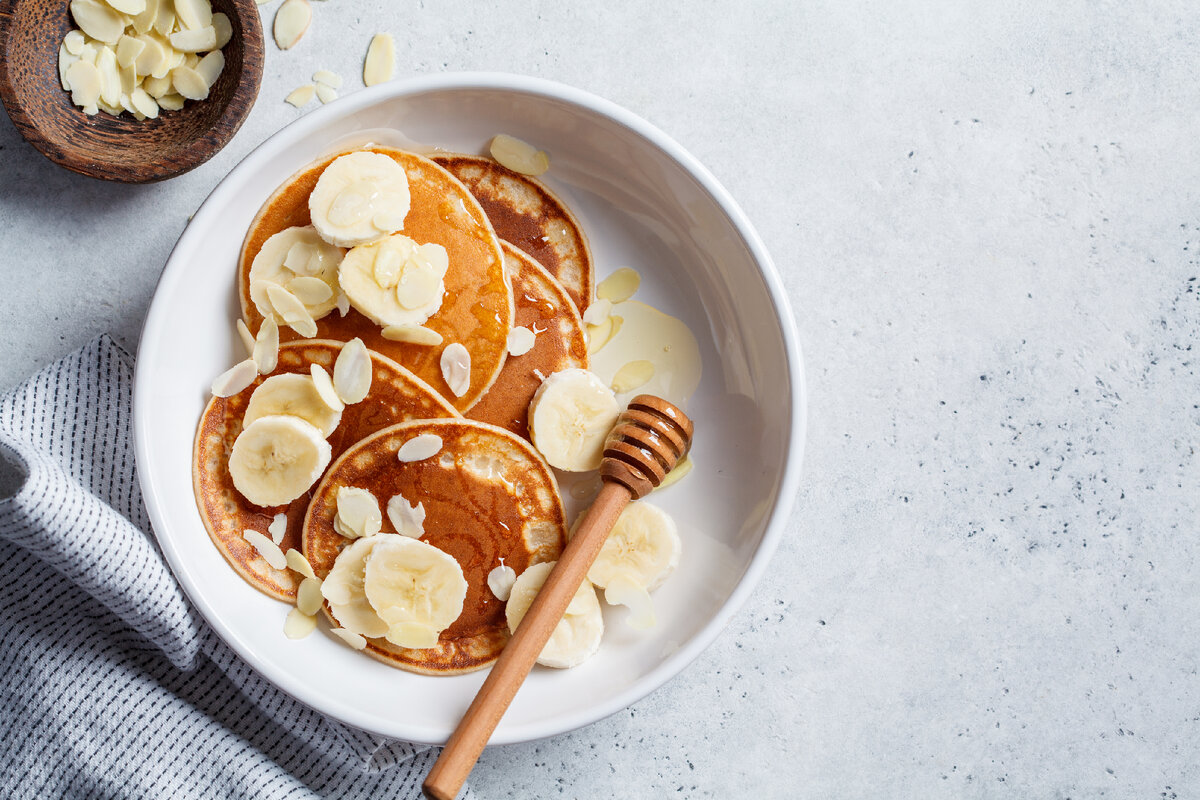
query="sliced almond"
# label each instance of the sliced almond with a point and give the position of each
(277, 529)
(223, 27)
(298, 563)
(110, 78)
(266, 548)
(301, 95)
(65, 60)
(308, 596)
(412, 334)
(357, 513)
(298, 624)
(235, 379)
(171, 102)
(407, 518)
(98, 20)
(129, 79)
(294, 313)
(246, 336)
(194, 40)
(266, 346)
(330, 79)
(192, 14)
(210, 67)
(157, 87)
(151, 56)
(143, 103)
(632, 375)
(519, 156)
(326, 94)
(343, 304)
(298, 257)
(74, 42)
(164, 20)
(189, 83)
(144, 22)
(310, 291)
(500, 580)
(419, 448)
(520, 341)
(83, 79)
(456, 368)
(352, 372)
(291, 21)
(597, 312)
(130, 7)
(355, 640)
(380, 61)
(324, 385)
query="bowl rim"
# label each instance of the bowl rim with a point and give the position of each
(789, 481)
(205, 146)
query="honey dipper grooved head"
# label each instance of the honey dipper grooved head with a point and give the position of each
(650, 437)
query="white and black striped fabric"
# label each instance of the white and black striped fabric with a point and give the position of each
(111, 685)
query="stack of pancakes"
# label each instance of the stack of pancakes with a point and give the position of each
(517, 258)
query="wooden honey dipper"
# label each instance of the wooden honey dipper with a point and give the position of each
(648, 440)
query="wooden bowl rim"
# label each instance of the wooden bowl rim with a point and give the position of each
(223, 129)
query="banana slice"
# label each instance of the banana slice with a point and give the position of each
(577, 635)
(296, 260)
(569, 417)
(276, 459)
(293, 395)
(343, 588)
(417, 589)
(643, 545)
(395, 282)
(359, 198)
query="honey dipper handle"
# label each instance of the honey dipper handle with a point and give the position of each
(508, 673)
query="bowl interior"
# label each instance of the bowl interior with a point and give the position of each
(643, 203)
(121, 148)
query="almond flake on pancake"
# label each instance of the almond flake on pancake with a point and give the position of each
(456, 368)
(278, 528)
(298, 563)
(413, 334)
(266, 346)
(408, 519)
(246, 336)
(420, 447)
(520, 341)
(235, 379)
(358, 513)
(266, 548)
(352, 372)
(308, 596)
(324, 385)
(288, 306)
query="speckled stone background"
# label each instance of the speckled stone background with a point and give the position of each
(986, 216)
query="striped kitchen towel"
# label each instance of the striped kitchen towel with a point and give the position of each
(111, 685)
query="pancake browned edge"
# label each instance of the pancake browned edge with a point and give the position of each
(527, 214)
(396, 395)
(477, 309)
(543, 307)
(488, 496)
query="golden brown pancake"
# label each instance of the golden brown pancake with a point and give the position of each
(543, 307)
(477, 310)
(396, 395)
(527, 214)
(487, 495)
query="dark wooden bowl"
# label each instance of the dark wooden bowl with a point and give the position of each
(120, 148)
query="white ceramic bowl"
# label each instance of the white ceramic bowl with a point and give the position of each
(643, 202)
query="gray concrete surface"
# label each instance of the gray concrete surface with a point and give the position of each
(986, 217)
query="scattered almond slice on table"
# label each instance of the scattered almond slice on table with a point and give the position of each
(291, 21)
(380, 61)
(301, 95)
